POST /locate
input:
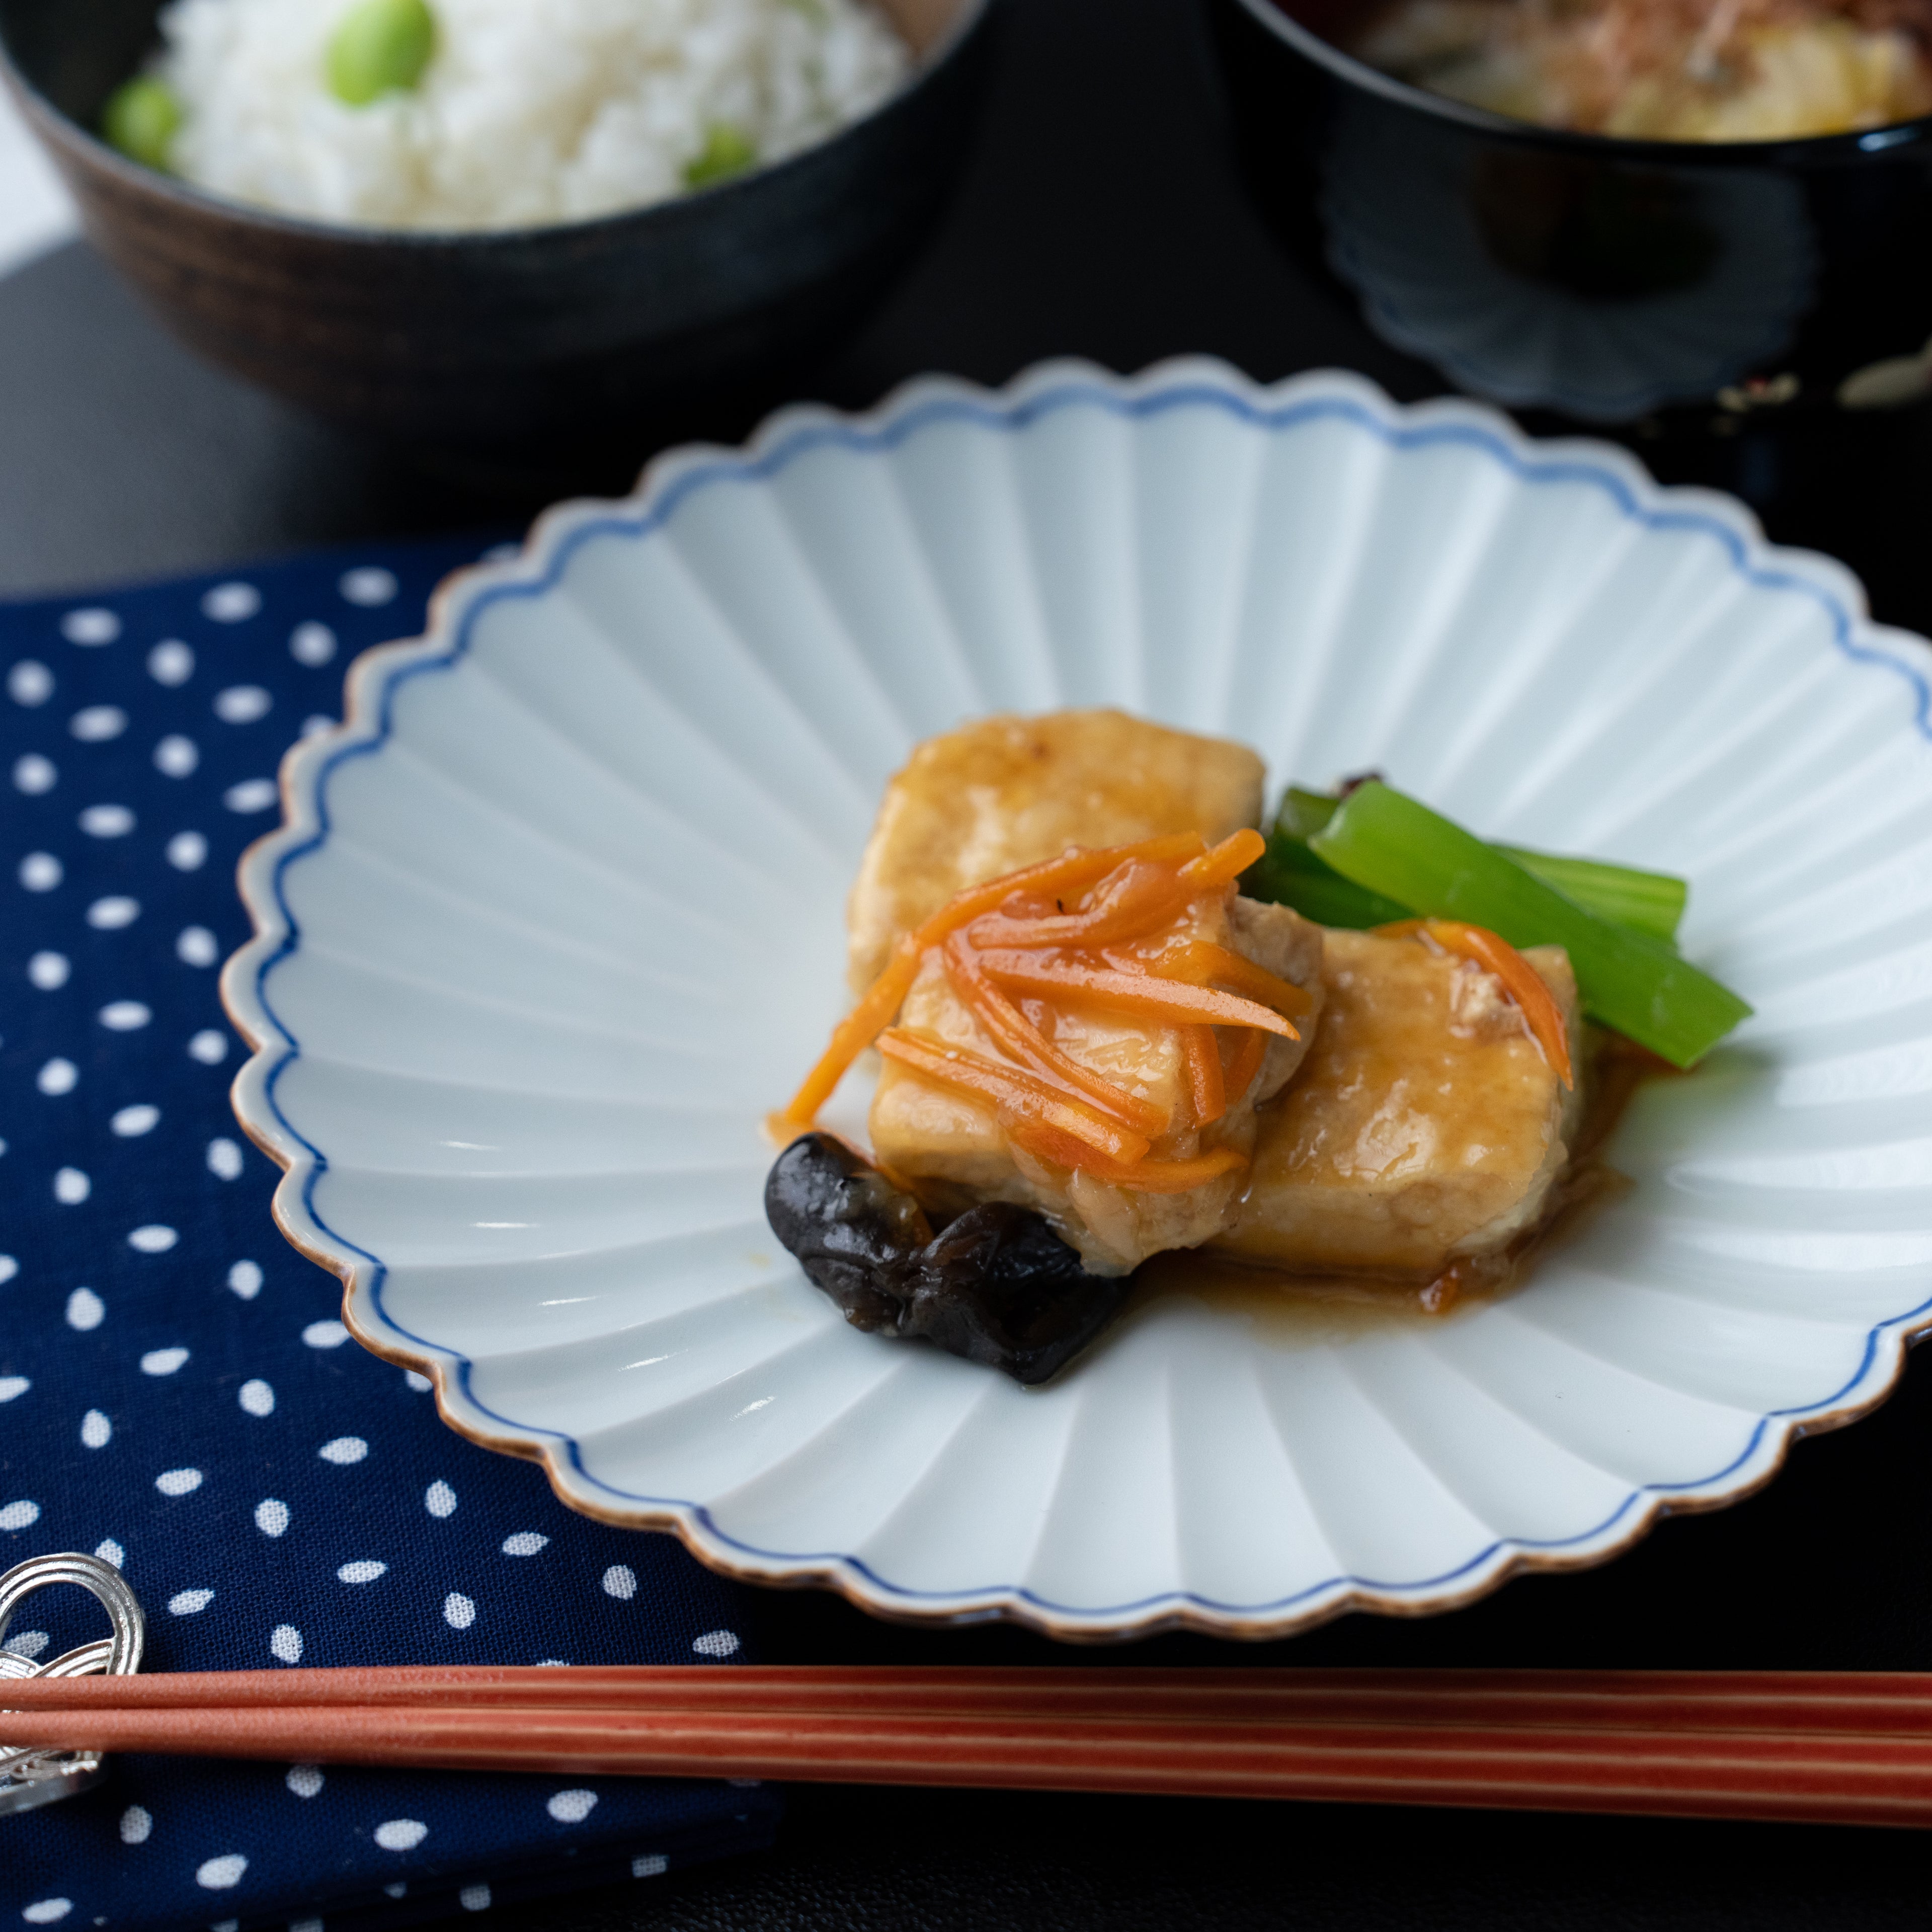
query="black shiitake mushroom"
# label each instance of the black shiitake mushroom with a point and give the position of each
(996, 1284)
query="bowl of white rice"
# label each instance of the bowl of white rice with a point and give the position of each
(496, 225)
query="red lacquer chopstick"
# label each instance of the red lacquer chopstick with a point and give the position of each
(1842, 1747)
(1825, 1777)
(1858, 1703)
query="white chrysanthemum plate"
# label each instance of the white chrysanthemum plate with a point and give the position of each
(556, 915)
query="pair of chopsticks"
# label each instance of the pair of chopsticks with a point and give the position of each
(1826, 1747)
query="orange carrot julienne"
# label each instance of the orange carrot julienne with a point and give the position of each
(1146, 1177)
(1171, 1177)
(1020, 1039)
(1225, 863)
(1205, 1085)
(1014, 1095)
(1201, 961)
(1136, 899)
(1241, 1070)
(1521, 980)
(1077, 866)
(1080, 866)
(854, 1034)
(1145, 994)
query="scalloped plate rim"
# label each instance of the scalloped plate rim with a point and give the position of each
(1181, 382)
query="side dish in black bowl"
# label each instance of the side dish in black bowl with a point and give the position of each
(1660, 287)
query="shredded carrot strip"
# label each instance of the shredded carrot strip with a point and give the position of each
(1143, 993)
(1019, 1039)
(1136, 899)
(1205, 1085)
(1201, 961)
(1521, 980)
(1171, 1177)
(1147, 1176)
(1015, 1096)
(1077, 866)
(1241, 1070)
(854, 1034)
(1224, 862)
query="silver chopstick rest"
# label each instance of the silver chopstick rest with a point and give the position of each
(30, 1777)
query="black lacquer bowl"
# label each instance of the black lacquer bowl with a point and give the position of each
(532, 338)
(1612, 282)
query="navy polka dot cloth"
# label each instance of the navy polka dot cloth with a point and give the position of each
(176, 1393)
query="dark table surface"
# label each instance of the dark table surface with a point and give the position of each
(1101, 217)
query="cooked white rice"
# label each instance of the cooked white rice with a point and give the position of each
(531, 111)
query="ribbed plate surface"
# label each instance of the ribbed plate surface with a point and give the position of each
(556, 915)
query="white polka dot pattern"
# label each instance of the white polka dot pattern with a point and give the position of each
(312, 644)
(30, 683)
(369, 586)
(171, 662)
(92, 625)
(400, 1834)
(176, 757)
(153, 1312)
(232, 603)
(571, 1807)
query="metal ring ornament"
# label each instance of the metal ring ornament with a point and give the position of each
(28, 1777)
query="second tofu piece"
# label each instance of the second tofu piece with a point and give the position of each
(1426, 1125)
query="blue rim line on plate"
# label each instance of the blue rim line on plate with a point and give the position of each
(1060, 387)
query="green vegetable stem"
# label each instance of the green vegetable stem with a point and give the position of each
(142, 119)
(379, 47)
(1391, 844)
(1292, 874)
(727, 151)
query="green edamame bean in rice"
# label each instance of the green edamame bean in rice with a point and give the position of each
(469, 114)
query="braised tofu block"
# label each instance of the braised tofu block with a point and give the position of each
(1426, 1125)
(950, 1149)
(992, 796)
